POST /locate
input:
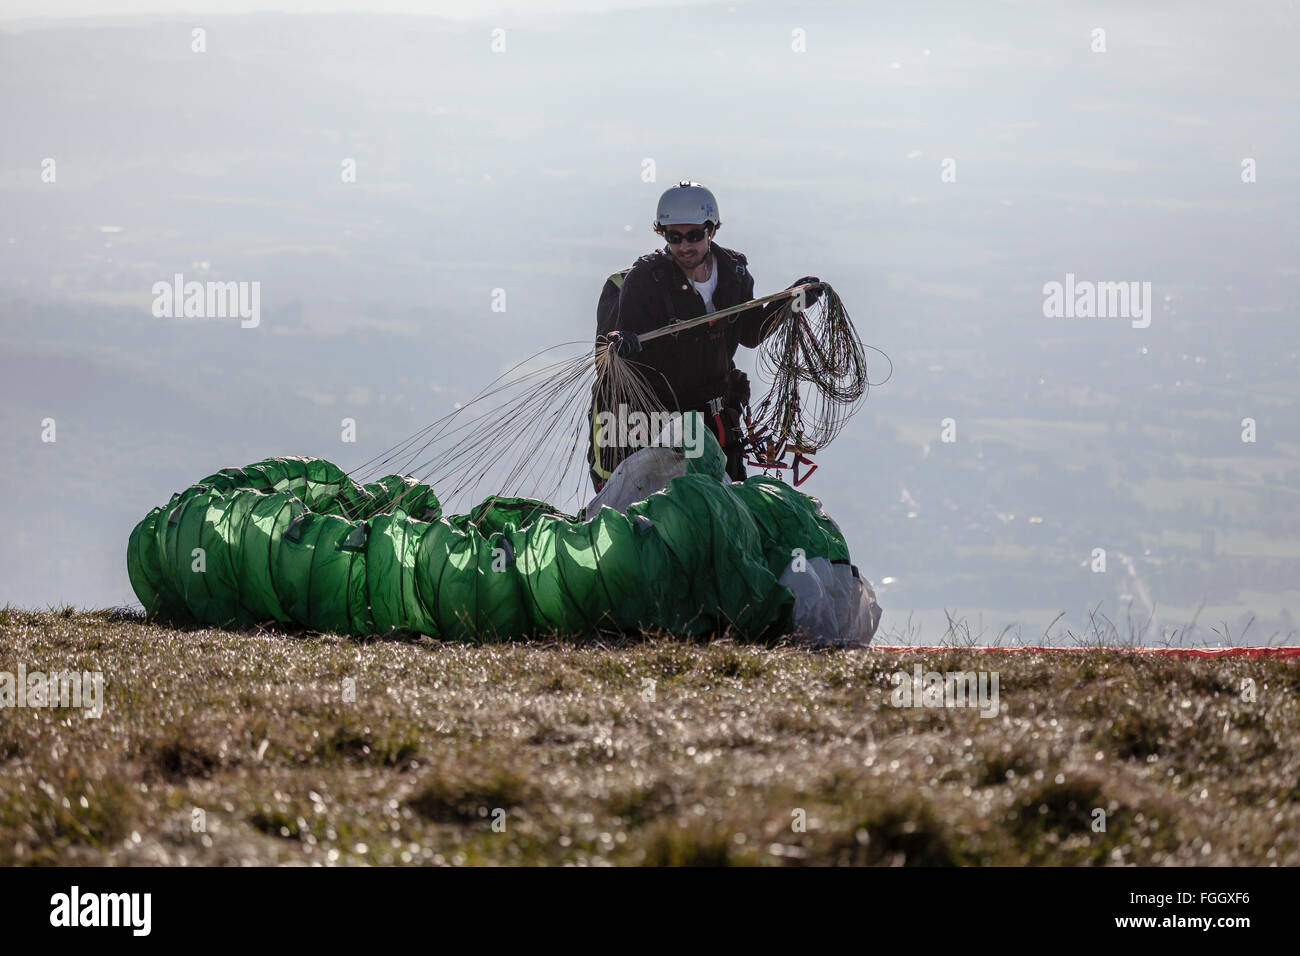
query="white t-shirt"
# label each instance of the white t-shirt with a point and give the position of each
(707, 287)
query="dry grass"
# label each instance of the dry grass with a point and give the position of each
(253, 730)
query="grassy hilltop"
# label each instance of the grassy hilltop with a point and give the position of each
(583, 760)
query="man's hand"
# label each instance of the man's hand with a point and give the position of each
(624, 343)
(810, 295)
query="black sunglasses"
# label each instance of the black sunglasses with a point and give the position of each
(695, 235)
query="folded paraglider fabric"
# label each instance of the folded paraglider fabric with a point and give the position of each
(296, 540)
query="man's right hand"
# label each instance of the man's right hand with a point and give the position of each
(624, 343)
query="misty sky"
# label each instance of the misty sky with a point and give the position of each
(450, 9)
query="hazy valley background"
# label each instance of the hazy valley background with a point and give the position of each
(521, 170)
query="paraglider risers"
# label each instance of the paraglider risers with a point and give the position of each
(770, 455)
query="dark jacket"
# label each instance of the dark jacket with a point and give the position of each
(685, 369)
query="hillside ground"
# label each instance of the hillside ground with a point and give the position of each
(225, 747)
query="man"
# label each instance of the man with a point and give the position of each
(691, 276)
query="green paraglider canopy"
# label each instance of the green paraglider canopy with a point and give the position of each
(296, 540)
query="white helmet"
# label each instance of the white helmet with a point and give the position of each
(685, 204)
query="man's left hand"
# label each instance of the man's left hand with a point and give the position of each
(810, 296)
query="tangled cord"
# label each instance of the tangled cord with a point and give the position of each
(818, 369)
(527, 433)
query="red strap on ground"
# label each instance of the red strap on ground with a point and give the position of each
(1160, 651)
